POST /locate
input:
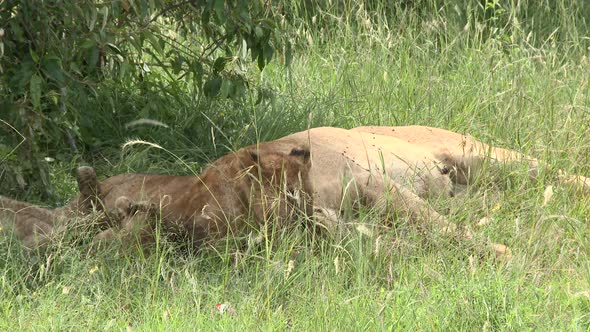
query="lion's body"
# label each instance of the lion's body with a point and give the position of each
(395, 168)
(216, 202)
(340, 153)
(35, 225)
(30, 223)
(381, 171)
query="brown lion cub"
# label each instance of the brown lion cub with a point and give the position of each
(32, 224)
(254, 181)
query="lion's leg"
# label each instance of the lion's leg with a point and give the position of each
(134, 231)
(466, 155)
(139, 219)
(89, 198)
(386, 195)
(136, 226)
(475, 154)
(138, 229)
(106, 235)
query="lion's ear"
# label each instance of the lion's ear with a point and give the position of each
(249, 159)
(303, 153)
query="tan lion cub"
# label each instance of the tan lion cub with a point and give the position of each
(253, 181)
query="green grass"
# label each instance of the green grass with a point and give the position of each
(531, 95)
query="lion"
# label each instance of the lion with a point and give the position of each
(255, 181)
(391, 169)
(394, 169)
(32, 224)
(35, 225)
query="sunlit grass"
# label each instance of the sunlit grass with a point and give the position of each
(530, 95)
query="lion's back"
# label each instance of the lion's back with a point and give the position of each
(141, 187)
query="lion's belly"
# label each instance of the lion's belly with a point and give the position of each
(337, 151)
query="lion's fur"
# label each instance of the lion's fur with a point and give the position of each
(36, 225)
(30, 223)
(254, 181)
(381, 171)
(137, 223)
(395, 168)
(413, 162)
(465, 155)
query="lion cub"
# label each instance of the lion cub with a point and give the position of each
(255, 182)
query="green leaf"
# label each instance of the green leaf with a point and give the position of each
(87, 43)
(51, 65)
(75, 68)
(17, 31)
(259, 98)
(225, 89)
(135, 42)
(114, 48)
(212, 87)
(177, 64)
(238, 89)
(34, 55)
(255, 51)
(154, 41)
(219, 7)
(220, 63)
(258, 32)
(197, 69)
(92, 57)
(261, 61)
(35, 90)
(105, 16)
(268, 52)
(93, 17)
(22, 76)
(205, 17)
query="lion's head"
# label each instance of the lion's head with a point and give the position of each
(280, 183)
(136, 222)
